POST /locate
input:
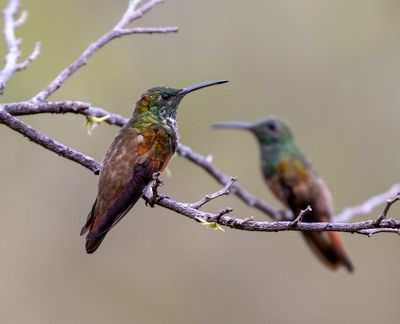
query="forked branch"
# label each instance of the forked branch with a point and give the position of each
(283, 220)
(11, 65)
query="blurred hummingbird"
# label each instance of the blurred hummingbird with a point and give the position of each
(142, 147)
(294, 181)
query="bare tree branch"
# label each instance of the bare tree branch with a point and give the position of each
(367, 206)
(35, 53)
(191, 210)
(373, 231)
(62, 107)
(48, 143)
(366, 228)
(77, 107)
(300, 216)
(147, 30)
(22, 18)
(389, 204)
(207, 198)
(57, 107)
(283, 220)
(13, 53)
(223, 179)
(132, 13)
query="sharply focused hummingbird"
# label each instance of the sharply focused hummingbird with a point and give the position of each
(142, 147)
(294, 181)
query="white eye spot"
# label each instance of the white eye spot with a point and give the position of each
(139, 139)
(209, 158)
(170, 121)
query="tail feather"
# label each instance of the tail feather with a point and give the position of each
(93, 238)
(92, 245)
(84, 229)
(329, 248)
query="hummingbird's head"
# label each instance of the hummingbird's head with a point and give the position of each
(159, 101)
(164, 101)
(268, 131)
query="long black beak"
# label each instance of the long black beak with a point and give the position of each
(200, 86)
(239, 125)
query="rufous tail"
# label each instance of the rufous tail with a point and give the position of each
(329, 249)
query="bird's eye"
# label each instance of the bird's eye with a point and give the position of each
(272, 126)
(165, 96)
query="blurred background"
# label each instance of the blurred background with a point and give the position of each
(331, 69)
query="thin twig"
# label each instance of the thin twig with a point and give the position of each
(185, 209)
(48, 143)
(205, 163)
(35, 53)
(132, 13)
(277, 226)
(77, 107)
(367, 206)
(146, 30)
(37, 105)
(300, 216)
(389, 204)
(62, 107)
(13, 53)
(221, 213)
(57, 107)
(207, 198)
(373, 231)
(223, 179)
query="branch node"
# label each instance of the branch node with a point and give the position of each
(11, 64)
(207, 198)
(300, 216)
(131, 13)
(211, 169)
(22, 18)
(34, 55)
(39, 105)
(389, 204)
(247, 219)
(216, 219)
(367, 206)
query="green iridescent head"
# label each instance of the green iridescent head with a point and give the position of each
(164, 101)
(268, 131)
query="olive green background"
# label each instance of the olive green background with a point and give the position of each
(330, 68)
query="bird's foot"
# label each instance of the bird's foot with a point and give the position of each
(153, 200)
(151, 195)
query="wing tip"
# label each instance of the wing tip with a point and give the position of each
(84, 229)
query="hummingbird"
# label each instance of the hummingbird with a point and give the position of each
(292, 178)
(142, 147)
